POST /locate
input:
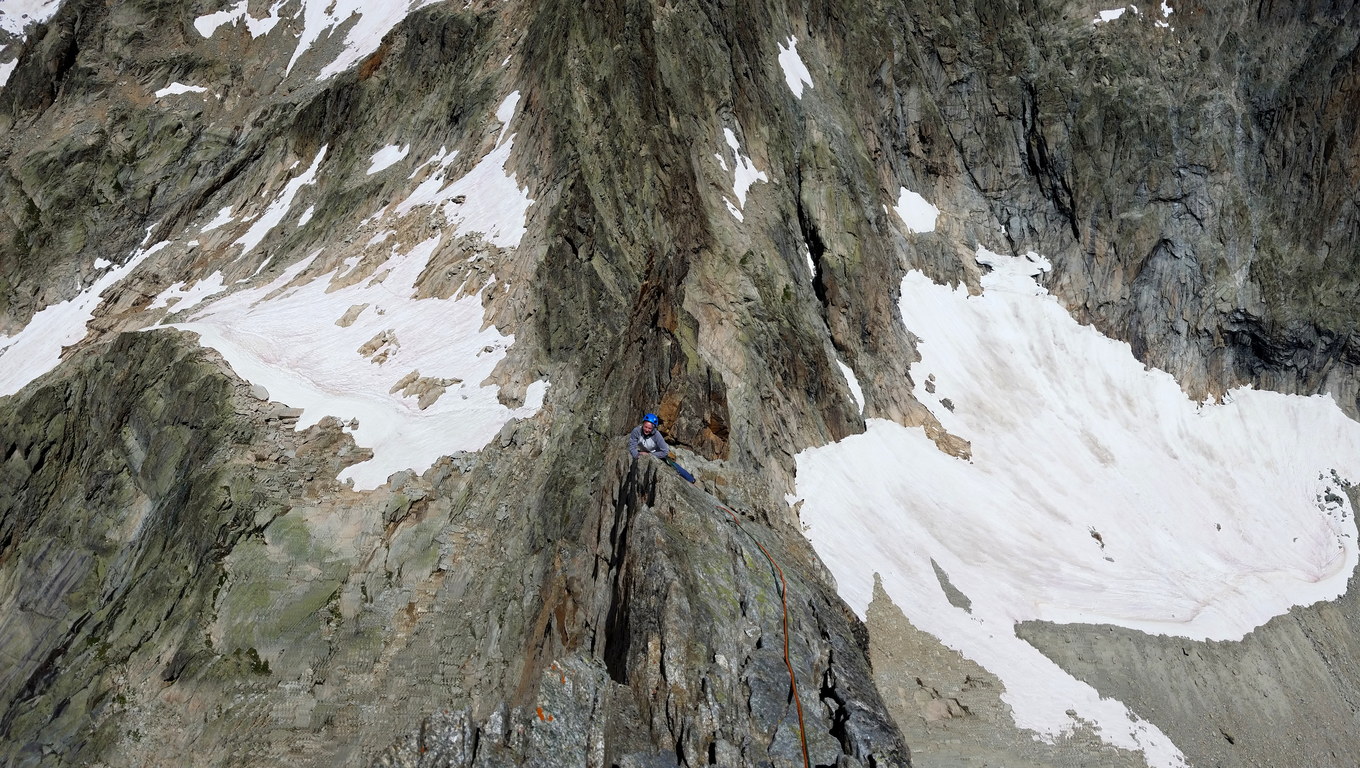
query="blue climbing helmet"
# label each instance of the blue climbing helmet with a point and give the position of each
(652, 418)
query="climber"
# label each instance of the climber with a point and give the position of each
(646, 439)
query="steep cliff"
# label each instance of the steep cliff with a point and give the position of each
(323, 324)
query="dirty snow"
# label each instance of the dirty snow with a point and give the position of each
(36, 349)
(795, 71)
(292, 346)
(1097, 492)
(915, 212)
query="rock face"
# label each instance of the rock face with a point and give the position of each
(128, 482)
(201, 594)
(185, 580)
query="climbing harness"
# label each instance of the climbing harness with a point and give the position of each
(783, 599)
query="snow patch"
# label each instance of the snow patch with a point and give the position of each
(1096, 492)
(1165, 21)
(292, 346)
(36, 349)
(386, 157)
(15, 16)
(745, 175)
(372, 20)
(174, 89)
(795, 71)
(208, 24)
(504, 112)
(1109, 15)
(279, 207)
(262, 27)
(853, 382)
(222, 218)
(487, 200)
(915, 212)
(376, 19)
(184, 298)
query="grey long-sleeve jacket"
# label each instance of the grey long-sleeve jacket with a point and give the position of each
(654, 443)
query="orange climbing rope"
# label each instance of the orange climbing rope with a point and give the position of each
(783, 599)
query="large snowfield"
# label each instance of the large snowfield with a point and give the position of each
(1096, 492)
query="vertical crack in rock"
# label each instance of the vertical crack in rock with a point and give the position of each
(636, 490)
(1041, 162)
(816, 249)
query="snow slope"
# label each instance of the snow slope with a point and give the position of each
(1097, 492)
(364, 22)
(292, 340)
(15, 15)
(352, 352)
(36, 349)
(406, 373)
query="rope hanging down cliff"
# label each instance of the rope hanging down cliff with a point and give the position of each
(784, 602)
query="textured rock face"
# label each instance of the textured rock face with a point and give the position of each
(203, 595)
(127, 482)
(181, 574)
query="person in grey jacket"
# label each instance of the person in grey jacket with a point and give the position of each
(646, 438)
